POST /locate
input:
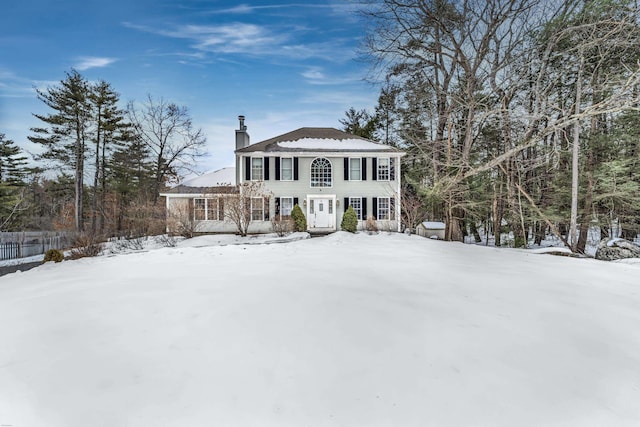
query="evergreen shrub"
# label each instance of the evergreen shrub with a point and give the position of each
(54, 255)
(349, 220)
(300, 221)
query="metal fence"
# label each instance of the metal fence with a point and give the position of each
(26, 244)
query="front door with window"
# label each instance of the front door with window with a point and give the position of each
(321, 212)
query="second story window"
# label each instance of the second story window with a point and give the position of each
(355, 166)
(321, 173)
(256, 168)
(286, 165)
(383, 169)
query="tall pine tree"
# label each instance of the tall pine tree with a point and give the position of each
(65, 137)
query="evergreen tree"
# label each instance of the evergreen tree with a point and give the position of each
(12, 191)
(360, 123)
(65, 137)
(109, 132)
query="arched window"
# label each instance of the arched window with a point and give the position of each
(321, 173)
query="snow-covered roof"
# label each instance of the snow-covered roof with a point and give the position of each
(318, 139)
(433, 225)
(217, 178)
(350, 144)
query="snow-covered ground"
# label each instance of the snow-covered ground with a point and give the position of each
(343, 330)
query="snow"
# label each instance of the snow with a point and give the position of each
(217, 178)
(333, 144)
(342, 330)
(433, 225)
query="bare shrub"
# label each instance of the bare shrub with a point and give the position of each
(282, 225)
(86, 245)
(371, 225)
(127, 244)
(180, 219)
(143, 218)
(167, 241)
(237, 207)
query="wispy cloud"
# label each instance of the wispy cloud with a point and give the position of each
(14, 86)
(250, 39)
(247, 8)
(317, 76)
(87, 62)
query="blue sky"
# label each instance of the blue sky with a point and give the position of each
(282, 65)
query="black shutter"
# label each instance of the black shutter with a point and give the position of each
(374, 168)
(346, 169)
(375, 207)
(295, 168)
(247, 168)
(346, 203)
(266, 208)
(295, 201)
(266, 168)
(364, 169)
(277, 168)
(392, 169)
(277, 199)
(365, 214)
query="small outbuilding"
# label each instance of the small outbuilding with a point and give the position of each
(431, 229)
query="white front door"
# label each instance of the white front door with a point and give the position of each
(321, 213)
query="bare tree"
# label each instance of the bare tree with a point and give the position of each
(250, 204)
(167, 130)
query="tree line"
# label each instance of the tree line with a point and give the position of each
(517, 116)
(101, 166)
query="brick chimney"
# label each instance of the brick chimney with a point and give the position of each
(242, 137)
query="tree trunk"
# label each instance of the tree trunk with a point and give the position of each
(575, 152)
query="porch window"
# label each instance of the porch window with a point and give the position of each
(209, 209)
(321, 175)
(199, 209)
(257, 209)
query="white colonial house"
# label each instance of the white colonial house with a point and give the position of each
(323, 170)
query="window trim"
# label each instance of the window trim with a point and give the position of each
(311, 173)
(255, 209)
(206, 209)
(388, 209)
(379, 170)
(282, 169)
(359, 209)
(261, 159)
(359, 168)
(281, 205)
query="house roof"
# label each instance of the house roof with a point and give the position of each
(217, 178)
(221, 181)
(317, 140)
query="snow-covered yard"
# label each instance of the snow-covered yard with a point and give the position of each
(343, 330)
